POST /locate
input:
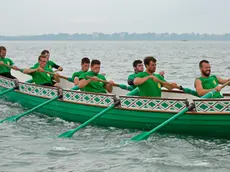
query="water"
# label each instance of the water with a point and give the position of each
(31, 144)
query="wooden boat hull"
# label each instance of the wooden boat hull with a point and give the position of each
(133, 113)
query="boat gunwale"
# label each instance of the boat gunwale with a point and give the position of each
(211, 99)
(155, 98)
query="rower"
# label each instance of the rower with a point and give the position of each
(5, 70)
(207, 83)
(150, 83)
(50, 64)
(138, 67)
(40, 75)
(92, 84)
(84, 68)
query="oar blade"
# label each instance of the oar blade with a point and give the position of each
(67, 134)
(139, 137)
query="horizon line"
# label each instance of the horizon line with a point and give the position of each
(93, 33)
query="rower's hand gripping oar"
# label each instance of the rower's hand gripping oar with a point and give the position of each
(52, 73)
(145, 135)
(70, 133)
(15, 118)
(122, 86)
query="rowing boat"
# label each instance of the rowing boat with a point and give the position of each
(211, 117)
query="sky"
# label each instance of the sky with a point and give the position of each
(35, 17)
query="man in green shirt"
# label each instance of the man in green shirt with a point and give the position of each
(93, 84)
(39, 74)
(150, 83)
(207, 83)
(5, 70)
(138, 67)
(50, 64)
(84, 68)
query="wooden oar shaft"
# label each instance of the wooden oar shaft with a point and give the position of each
(9, 66)
(100, 80)
(52, 73)
(225, 84)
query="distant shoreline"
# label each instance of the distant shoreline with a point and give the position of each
(123, 36)
(114, 40)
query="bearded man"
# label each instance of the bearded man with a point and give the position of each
(207, 82)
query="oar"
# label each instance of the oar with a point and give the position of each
(17, 117)
(8, 90)
(7, 66)
(189, 91)
(70, 133)
(75, 87)
(145, 135)
(122, 86)
(52, 73)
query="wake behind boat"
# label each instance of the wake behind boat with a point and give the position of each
(210, 117)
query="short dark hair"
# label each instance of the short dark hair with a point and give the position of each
(203, 61)
(136, 62)
(148, 59)
(41, 56)
(85, 60)
(95, 62)
(2, 48)
(44, 52)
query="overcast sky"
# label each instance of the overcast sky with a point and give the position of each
(26, 17)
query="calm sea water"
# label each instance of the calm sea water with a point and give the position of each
(31, 144)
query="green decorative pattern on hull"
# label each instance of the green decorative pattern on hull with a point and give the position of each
(7, 83)
(37, 90)
(213, 105)
(88, 98)
(135, 103)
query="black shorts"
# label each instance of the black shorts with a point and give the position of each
(8, 75)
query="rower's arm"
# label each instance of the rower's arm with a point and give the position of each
(222, 81)
(57, 67)
(199, 88)
(29, 71)
(84, 82)
(169, 86)
(109, 87)
(15, 67)
(139, 81)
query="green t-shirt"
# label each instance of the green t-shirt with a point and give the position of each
(150, 88)
(94, 86)
(77, 74)
(210, 83)
(5, 69)
(49, 64)
(131, 79)
(42, 77)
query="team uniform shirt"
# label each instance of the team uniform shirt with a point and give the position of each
(94, 86)
(5, 69)
(42, 78)
(210, 83)
(150, 88)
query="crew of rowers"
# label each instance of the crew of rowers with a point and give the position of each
(148, 82)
